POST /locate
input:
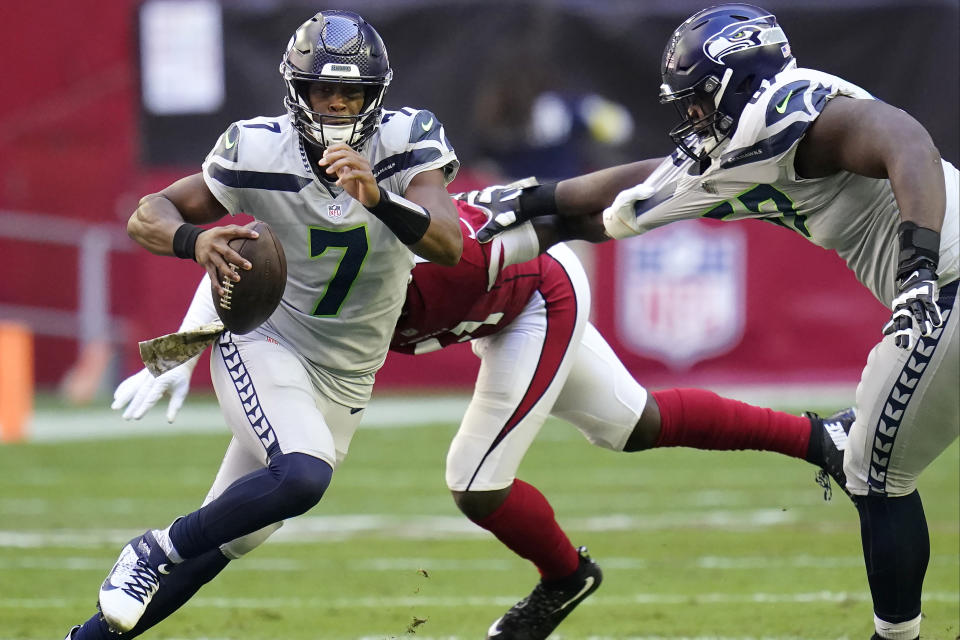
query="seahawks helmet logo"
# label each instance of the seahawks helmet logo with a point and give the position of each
(758, 32)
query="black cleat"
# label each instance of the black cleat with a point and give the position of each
(833, 438)
(536, 616)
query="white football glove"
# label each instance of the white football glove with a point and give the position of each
(141, 391)
(915, 305)
(620, 218)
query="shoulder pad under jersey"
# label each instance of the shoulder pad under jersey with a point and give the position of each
(778, 115)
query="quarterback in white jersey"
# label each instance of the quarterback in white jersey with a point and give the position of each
(346, 270)
(761, 138)
(352, 192)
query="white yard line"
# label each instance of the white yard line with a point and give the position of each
(204, 417)
(315, 529)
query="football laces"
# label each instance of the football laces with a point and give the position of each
(227, 284)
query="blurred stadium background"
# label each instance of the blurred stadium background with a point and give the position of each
(109, 101)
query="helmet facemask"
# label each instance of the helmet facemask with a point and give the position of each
(325, 129)
(703, 126)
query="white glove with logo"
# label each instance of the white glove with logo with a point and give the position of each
(141, 391)
(620, 218)
(916, 305)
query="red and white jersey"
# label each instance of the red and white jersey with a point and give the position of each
(481, 295)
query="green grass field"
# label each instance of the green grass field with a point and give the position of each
(730, 546)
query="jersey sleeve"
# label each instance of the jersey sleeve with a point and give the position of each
(425, 147)
(778, 116)
(674, 191)
(220, 169)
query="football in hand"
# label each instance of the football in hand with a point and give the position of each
(250, 301)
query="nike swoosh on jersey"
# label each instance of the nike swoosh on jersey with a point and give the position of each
(782, 107)
(229, 144)
(587, 584)
(426, 126)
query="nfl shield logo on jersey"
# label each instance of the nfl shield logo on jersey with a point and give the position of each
(334, 210)
(680, 292)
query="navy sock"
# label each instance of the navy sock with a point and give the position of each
(289, 486)
(177, 587)
(896, 550)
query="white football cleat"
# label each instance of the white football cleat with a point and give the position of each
(132, 583)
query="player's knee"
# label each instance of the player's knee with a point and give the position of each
(477, 505)
(303, 479)
(647, 430)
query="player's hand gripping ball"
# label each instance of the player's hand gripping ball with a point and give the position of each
(250, 301)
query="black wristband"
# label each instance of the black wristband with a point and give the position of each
(407, 220)
(185, 241)
(536, 201)
(919, 247)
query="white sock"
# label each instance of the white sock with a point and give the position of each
(897, 630)
(163, 539)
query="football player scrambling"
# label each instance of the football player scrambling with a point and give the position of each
(293, 390)
(761, 137)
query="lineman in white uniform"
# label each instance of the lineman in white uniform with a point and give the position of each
(761, 138)
(293, 390)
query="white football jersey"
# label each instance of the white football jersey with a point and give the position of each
(752, 176)
(346, 271)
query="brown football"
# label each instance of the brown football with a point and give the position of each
(249, 302)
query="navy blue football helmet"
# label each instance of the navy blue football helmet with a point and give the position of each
(340, 47)
(715, 61)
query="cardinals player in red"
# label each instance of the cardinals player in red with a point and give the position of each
(526, 317)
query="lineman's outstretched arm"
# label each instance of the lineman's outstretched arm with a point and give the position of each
(589, 194)
(575, 204)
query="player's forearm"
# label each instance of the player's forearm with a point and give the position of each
(154, 224)
(442, 243)
(589, 194)
(553, 229)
